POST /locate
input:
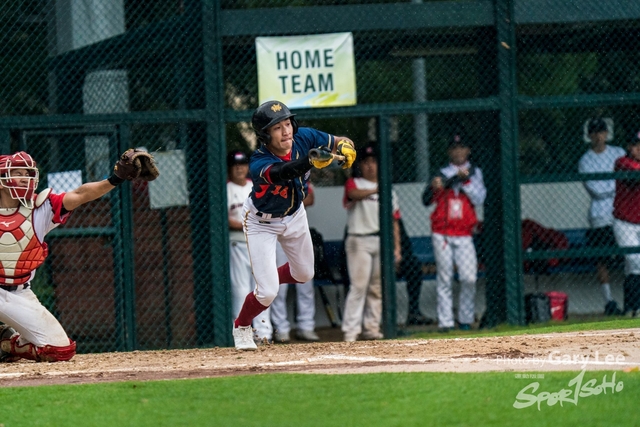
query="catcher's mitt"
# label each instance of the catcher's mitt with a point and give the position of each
(134, 164)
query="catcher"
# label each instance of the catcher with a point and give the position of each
(30, 331)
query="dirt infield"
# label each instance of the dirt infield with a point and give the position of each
(592, 350)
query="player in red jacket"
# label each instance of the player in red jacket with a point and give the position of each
(626, 223)
(456, 191)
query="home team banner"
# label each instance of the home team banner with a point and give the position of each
(307, 71)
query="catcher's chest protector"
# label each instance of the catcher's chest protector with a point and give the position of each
(20, 250)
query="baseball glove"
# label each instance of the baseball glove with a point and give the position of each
(134, 164)
(320, 157)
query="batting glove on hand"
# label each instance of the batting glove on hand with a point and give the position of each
(320, 157)
(346, 149)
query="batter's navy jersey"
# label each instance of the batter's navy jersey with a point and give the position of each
(284, 197)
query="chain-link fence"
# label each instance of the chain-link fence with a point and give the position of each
(513, 83)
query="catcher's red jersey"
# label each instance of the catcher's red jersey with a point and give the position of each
(22, 252)
(22, 231)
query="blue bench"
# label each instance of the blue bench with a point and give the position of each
(423, 251)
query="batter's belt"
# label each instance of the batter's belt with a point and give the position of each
(15, 288)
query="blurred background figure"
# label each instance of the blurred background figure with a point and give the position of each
(363, 306)
(601, 157)
(305, 298)
(238, 189)
(456, 191)
(626, 223)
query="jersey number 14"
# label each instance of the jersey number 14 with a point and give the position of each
(279, 190)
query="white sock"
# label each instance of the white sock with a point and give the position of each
(606, 291)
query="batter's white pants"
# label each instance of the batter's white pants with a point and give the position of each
(241, 284)
(363, 306)
(305, 296)
(460, 252)
(21, 310)
(628, 235)
(262, 235)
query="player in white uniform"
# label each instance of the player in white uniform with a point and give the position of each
(238, 189)
(456, 191)
(305, 298)
(30, 331)
(274, 212)
(363, 306)
(601, 157)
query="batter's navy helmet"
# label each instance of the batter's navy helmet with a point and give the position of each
(267, 115)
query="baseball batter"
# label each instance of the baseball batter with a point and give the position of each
(238, 189)
(456, 191)
(626, 223)
(30, 331)
(274, 212)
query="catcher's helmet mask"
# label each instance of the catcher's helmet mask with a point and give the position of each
(268, 114)
(25, 193)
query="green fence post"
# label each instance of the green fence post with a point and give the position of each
(128, 265)
(387, 269)
(506, 45)
(216, 153)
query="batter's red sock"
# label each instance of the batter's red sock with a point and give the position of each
(284, 274)
(250, 309)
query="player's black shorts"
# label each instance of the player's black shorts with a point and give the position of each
(602, 237)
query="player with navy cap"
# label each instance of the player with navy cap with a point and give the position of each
(238, 189)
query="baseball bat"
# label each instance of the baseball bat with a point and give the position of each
(316, 153)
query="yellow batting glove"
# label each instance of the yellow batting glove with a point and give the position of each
(346, 149)
(320, 157)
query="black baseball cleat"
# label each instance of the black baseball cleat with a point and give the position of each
(418, 319)
(612, 309)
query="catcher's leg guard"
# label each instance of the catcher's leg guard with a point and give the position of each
(6, 332)
(48, 353)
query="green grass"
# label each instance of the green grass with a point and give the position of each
(539, 328)
(400, 399)
(370, 400)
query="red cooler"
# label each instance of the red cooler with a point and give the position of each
(558, 302)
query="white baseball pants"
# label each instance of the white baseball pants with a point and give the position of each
(241, 284)
(628, 235)
(22, 310)
(460, 252)
(363, 305)
(305, 298)
(262, 236)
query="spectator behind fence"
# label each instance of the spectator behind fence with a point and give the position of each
(601, 157)
(456, 191)
(626, 222)
(305, 297)
(363, 306)
(242, 282)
